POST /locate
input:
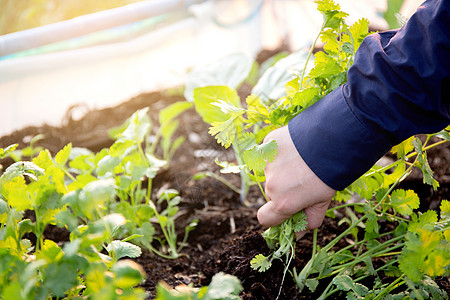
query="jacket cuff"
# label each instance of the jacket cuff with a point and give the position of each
(334, 143)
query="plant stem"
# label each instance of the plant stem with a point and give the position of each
(310, 53)
(244, 179)
(345, 205)
(390, 287)
(222, 180)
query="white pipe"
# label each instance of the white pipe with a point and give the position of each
(43, 35)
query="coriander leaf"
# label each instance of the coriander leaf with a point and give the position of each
(256, 110)
(4, 152)
(16, 194)
(312, 284)
(257, 157)
(299, 221)
(343, 282)
(272, 83)
(403, 148)
(445, 209)
(260, 263)
(423, 164)
(225, 132)
(227, 107)
(205, 96)
(306, 97)
(224, 286)
(372, 226)
(425, 221)
(123, 249)
(228, 167)
(127, 274)
(63, 155)
(324, 66)
(359, 30)
(438, 261)
(404, 202)
(53, 275)
(138, 128)
(172, 111)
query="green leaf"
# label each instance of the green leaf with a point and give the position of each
(127, 274)
(109, 223)
(228, 108)
(257, 157)
(16, 194)
(224, 286)
(324, 66)
(372, 227)
(205, 96)
(4, 152)
(95, 194)
(138, 128)
(326, 6)
(423, 164)
(54, 274)
(172, 111)
(404, 202)
(43, 160)
(107, 164)
(256, 110)
(260, 263)
(228, 167)
(63, 155)
(343, 282)
(22, 168)
(272, 83)
(306, 97)
(403, 148)
(124, 249)
(393, 8)
(359, 30)
(445, 209)
(226, 132)
(50, 251)
(312, 284)
(299, 220)
(425, 221)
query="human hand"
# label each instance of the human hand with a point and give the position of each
(291, 186)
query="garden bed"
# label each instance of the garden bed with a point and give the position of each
(228, 235)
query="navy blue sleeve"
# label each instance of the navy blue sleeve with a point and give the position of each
(398, 86)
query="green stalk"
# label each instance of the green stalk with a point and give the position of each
(244, 180)
(310, 53)
(345, 205)
(222, 180)
(390, 287)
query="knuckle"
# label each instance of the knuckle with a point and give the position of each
(283, 208)
(314, 223)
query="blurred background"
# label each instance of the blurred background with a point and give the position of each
(58, 53)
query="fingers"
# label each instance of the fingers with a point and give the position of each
(291, 186)
(270, 215)
(316, 215)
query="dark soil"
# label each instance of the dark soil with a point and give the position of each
(228, 234)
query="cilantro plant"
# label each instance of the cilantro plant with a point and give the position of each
(244, 127)
(46, 270)
(220, 81)
(81, 191)
(412, 264)
(222, 286)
